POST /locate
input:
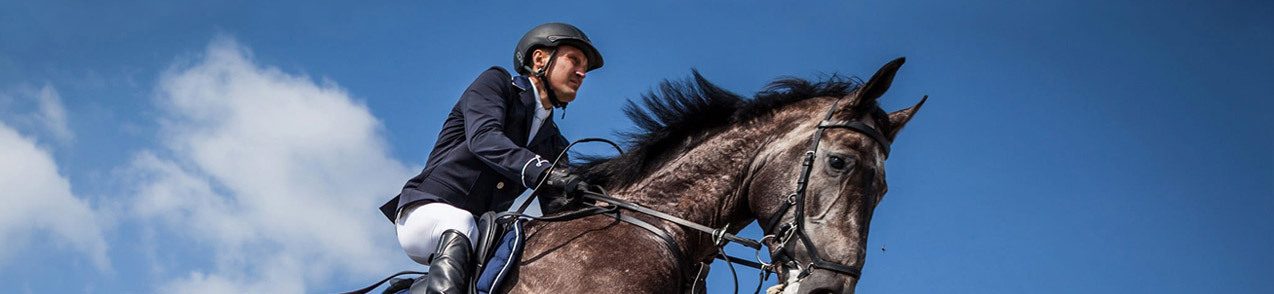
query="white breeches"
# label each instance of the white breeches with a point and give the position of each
(419, 227)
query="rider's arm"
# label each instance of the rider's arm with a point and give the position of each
(484, 105)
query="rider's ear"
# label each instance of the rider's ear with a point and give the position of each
(879, 82)
(539, 58)
(898, 119)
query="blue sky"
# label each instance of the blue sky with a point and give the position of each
(1068, 146)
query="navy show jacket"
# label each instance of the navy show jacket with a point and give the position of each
(482, 160)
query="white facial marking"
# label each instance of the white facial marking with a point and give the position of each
(793, 283)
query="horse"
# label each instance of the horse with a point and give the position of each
(804, 159)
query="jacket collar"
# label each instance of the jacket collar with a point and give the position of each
(526, 92)
(522, 82)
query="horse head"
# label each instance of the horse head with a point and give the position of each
(816, 230)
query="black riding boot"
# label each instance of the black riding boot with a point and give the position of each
(449, 270)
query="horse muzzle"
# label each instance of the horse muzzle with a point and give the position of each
(823, 282)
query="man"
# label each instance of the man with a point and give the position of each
(497, 142)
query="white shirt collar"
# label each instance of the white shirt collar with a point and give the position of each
(540, 112)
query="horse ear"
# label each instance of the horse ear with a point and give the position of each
(898, 119)
(880, 81)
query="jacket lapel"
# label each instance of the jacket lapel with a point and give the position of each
(548, 129)
(527, 97)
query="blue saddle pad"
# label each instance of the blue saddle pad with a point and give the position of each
(504, 261)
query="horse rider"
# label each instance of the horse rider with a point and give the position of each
(497, 142)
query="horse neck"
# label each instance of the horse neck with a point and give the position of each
(705, 184)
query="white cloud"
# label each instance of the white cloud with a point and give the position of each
(281, 276)
(277, 175)
(37, 199)
(42, 109)
(52, 115)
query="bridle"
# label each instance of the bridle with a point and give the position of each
(796, 228)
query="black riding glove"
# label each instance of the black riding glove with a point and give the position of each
(562, 179)
(560, 190)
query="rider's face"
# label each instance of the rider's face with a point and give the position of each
(568, 70)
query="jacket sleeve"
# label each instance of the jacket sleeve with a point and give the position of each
(562, 142)
(484, 106)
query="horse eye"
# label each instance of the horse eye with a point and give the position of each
(836, 162)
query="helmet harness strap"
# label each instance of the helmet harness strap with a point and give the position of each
(542, 74)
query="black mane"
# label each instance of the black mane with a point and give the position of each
(682, 112)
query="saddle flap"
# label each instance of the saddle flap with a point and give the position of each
(488, 231)
(500, 241)
(504, 260)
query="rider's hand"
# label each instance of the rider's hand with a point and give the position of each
(563, 179)
(563, 189)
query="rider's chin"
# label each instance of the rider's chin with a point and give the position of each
(566, 96)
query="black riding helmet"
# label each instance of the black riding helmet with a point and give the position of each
(552, 35)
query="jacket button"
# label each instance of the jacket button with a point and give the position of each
(499, 185)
